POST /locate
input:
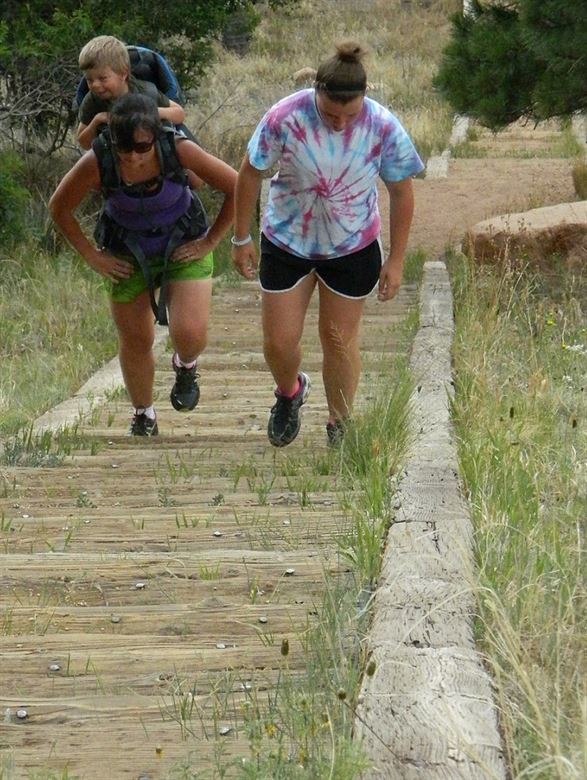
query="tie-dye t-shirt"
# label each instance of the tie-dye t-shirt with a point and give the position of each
(323, 198)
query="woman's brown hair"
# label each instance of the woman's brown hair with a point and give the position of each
(342, 78)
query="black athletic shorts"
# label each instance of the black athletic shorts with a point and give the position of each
(352, 276)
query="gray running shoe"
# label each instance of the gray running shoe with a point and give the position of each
(335, 432)
(285, 418)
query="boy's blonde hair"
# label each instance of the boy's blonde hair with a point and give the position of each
(105, 51)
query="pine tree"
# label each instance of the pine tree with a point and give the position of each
(555, 31)
(508, 60)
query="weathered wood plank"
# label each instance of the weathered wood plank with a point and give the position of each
(76, 540)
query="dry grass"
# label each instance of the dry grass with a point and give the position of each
(405, 41)
(580, 177)
(520, 358)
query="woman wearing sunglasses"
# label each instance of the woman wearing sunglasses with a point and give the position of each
(152, 233)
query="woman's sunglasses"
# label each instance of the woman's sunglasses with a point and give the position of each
(140, 147)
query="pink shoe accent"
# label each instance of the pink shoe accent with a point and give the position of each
(291, 395)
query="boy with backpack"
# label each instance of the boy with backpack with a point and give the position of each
(106, 64)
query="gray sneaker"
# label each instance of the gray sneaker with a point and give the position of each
(335, 432)
(285, 418)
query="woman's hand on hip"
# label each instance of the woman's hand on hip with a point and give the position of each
(110, 267)
(193, 250)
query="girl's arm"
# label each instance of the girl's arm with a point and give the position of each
(219, 176)
(75, 186)
(401, 210)
(87, 133)
(248, 186)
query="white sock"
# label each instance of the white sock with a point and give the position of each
(148, 411)
(181, 363)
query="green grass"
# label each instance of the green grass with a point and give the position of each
(373, 449)
(414, 268)
(559, 145)
(301, 725)
(55, 331)
(47, 449)
(580, 176)
(521, 413)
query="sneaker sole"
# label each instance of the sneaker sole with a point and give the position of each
(280, 442)
(179, 407)
(145, 435)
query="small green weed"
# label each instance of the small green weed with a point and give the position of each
(209, 572)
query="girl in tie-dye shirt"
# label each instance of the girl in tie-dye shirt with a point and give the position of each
(321, 227)
(323, 198)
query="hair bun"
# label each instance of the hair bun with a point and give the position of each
(350, 51)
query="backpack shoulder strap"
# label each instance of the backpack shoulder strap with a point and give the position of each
(107, 162)
(171, 167)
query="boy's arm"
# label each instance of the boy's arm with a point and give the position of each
(168, 109)
(93, 116)
(174, 113)
(87, 133)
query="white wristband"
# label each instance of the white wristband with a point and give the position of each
(241, 241)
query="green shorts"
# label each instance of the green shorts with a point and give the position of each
(126, 290)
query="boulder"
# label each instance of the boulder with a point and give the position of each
(533, 235)
(304, 77)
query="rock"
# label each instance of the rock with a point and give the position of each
(535, 235)
(304, 77)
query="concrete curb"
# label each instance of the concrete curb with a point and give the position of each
(437, 166)
(93, 393)
(579, 128)
(427, 712)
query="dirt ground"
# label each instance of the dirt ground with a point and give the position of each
(476, 189)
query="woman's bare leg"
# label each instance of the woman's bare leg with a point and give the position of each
(136, 333)
(339, 326)
(283, 326)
